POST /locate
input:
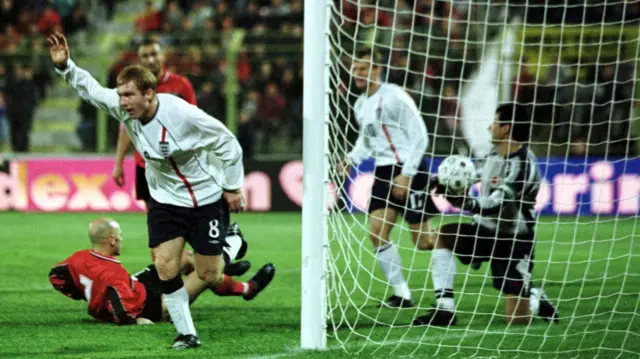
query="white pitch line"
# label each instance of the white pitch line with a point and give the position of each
(433, 338)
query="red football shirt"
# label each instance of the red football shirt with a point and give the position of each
(113, 295)
(176, 85)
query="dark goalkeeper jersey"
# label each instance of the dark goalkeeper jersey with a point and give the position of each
(509, 187)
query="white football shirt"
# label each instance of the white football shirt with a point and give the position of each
(190, 156)
(392, 130)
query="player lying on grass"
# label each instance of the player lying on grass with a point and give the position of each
(502, 232)
(114, 296)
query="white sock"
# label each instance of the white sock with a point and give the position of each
(534, 300)
(443, 272)
(234, 242)
(391, 264)
(177, 304)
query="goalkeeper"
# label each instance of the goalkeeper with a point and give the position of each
(502, 231)
(393, 132)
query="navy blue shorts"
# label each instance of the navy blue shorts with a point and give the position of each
(153, 303)
(204, 227)
(418, 207)
(510, 256)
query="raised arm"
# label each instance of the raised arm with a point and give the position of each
(80, 80)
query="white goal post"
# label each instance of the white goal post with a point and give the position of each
(315, 178)
(576, 68)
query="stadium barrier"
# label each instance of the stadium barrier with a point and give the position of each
(597, 186)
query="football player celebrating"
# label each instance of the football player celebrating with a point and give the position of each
(502, 232)
(151, 55)
(114, 296)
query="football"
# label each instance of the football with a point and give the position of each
(457, 173)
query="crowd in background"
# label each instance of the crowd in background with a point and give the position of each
(580, 105)
(431, 47)
(196, 35)
(25, 70)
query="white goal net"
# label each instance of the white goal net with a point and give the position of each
(574, 64)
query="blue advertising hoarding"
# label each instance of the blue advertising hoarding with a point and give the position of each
(594, 186)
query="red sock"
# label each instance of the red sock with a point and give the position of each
(231, 287)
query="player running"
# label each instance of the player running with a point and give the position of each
(393, 132)
(114, 296)
(193, 168)
(502, 231)
(151, 55)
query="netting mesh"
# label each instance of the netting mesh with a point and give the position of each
(574, 66)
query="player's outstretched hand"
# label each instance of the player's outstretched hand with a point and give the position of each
(59, 49)
(235, 200)
(118, 175)
(400, 188)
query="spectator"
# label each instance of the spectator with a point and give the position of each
(4, 126)
(21, 106)
(246, 135)
(64, 7)
(86, 129)
(110, 6)
(150, 19)
(291, 86)
(296, 7)
(27, 22)
(208, 34)
(211, 100)
(244, 68)
(218, 76)
(247, 124)
(265, 75)
(200, 14)
(248, 18)
(222, 10)
(77, 21)
(271, 108)
(632, 12)
(184, 35)
(49, 20)
(173, 18)
(279, 8)
(292, 92)
(8, 14)
(449, 109)
(250, 105)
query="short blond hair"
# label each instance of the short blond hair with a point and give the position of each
(141, 76)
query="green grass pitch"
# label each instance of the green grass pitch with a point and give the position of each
(590, 267)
